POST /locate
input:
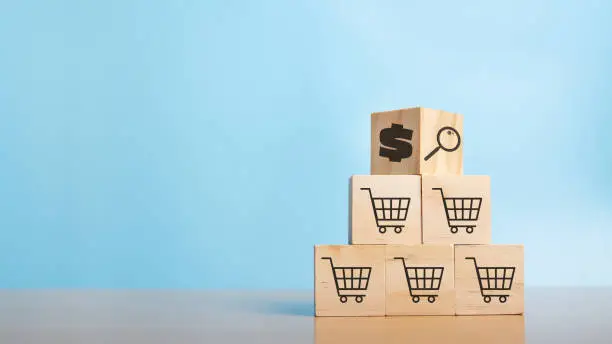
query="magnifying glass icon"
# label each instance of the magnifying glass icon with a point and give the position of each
(448, 139)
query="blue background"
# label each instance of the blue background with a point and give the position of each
(208, 144)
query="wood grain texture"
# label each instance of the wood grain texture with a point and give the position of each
(408, 118)
(353, 263)
(461, 212)
(502, 295)
(425, 124)
(498, 329)
(401, 214)
(442, 162)
(492, 329)
(335, 330)
(422, 261)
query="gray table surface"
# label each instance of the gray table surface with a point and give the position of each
(553, 315)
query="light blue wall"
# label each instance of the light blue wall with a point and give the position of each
(209, 144)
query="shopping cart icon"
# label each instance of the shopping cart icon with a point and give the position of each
(423, 281)
(389, 212)
(461, 212)
(350, 281)
(494, 281)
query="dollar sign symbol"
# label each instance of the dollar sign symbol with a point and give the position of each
(397, 138)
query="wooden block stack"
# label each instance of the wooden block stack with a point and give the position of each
(420, 230)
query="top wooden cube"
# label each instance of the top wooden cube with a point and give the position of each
(417, 141)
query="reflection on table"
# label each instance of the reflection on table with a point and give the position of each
(422, 330)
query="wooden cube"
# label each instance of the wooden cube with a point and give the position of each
(489, 279)
(419, 329)
(388, 330)
(385, 210)
(335, 330)
(349, 280)
(417, 141)
(420, 280)
(456, 209)
(498, 329)
(488, 329)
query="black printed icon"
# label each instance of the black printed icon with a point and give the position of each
(461, 212)
(423, 281)
(397, 137)
(350, 281)
(389, 211)
(448, 139)
(494, 281)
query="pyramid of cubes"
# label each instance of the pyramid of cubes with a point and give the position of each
(419, 238)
